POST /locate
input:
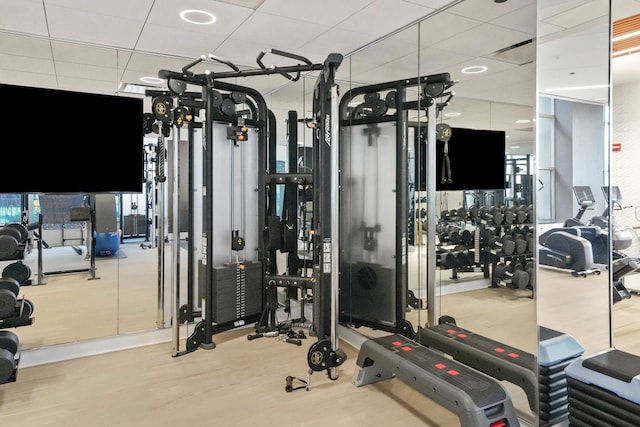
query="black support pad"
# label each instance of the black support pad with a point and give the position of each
(486, 355)
(476, 399)
(616, 364)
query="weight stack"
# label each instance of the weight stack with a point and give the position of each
(604, 389)
(237, 290)
(556, 351)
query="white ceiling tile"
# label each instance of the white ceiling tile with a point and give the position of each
(71, 24)
(335, 41)
(185, 43)
(434, 61)
(83, 54)
(27, 64)
(240, 52)
(381, 53)
(585, 12)
(150, 64)
(23, 78)
(483, 40)
(550, 8)
(444, 26)
(384, 16)
(88, 85)
(522, 19)
(87, 72)
(624, 8)
(487, 10)
(166, 13)
(308, 10)
(278, 32)
(435, 4)
(27, 16)
(138, 9)
(34, 47)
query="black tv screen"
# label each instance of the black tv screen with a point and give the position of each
(476, 159)
(71, 142)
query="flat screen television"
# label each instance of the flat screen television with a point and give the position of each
(476, 157)
(70, 142)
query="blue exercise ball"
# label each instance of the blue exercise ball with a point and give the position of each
(107, 244)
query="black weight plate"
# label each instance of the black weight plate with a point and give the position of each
(8, 247)
(24, 233)
(177, 86)
(148, 120)
(370, 97)
(10, 231)
(10, 284)
(216, 98)
(391, 99)
(239, 97)
(7, 303)
(443, 132)
(434, 90)
(228, 107)
(9, 341)
(367, 277)
(23, 318)
(521, 246)
(19, 271)
(7, 365)
(378, 108)
(161, 107)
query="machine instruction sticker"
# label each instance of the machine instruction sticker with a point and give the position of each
(326, 256)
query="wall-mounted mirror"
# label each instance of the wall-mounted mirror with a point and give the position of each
(573, 162)
(623, 208)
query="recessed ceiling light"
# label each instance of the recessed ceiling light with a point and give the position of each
(198, 17)
(523, 121)
(152, 80)
(474, 69)
(452, 114)
(515, 146)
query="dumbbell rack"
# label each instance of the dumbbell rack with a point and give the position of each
(499, 225)
(457, 250)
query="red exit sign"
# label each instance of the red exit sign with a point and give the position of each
(616, 146)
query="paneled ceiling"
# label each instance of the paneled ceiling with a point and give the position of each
(101, 46)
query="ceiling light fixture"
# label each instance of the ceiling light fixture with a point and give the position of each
(474, 69)
(452, 114)
(152, 80)
(198, 17)
(523, 121)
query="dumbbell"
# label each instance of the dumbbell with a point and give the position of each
(8, 350)
(520, 241)
(528, 267)
(505, 244)
(19, 271)
(493, 215)
(9, 290)
(516, 274)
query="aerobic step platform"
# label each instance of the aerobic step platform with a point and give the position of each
(604, 389)
(475, 398)
(510, 364)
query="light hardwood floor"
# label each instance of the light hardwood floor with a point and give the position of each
(241, 382)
